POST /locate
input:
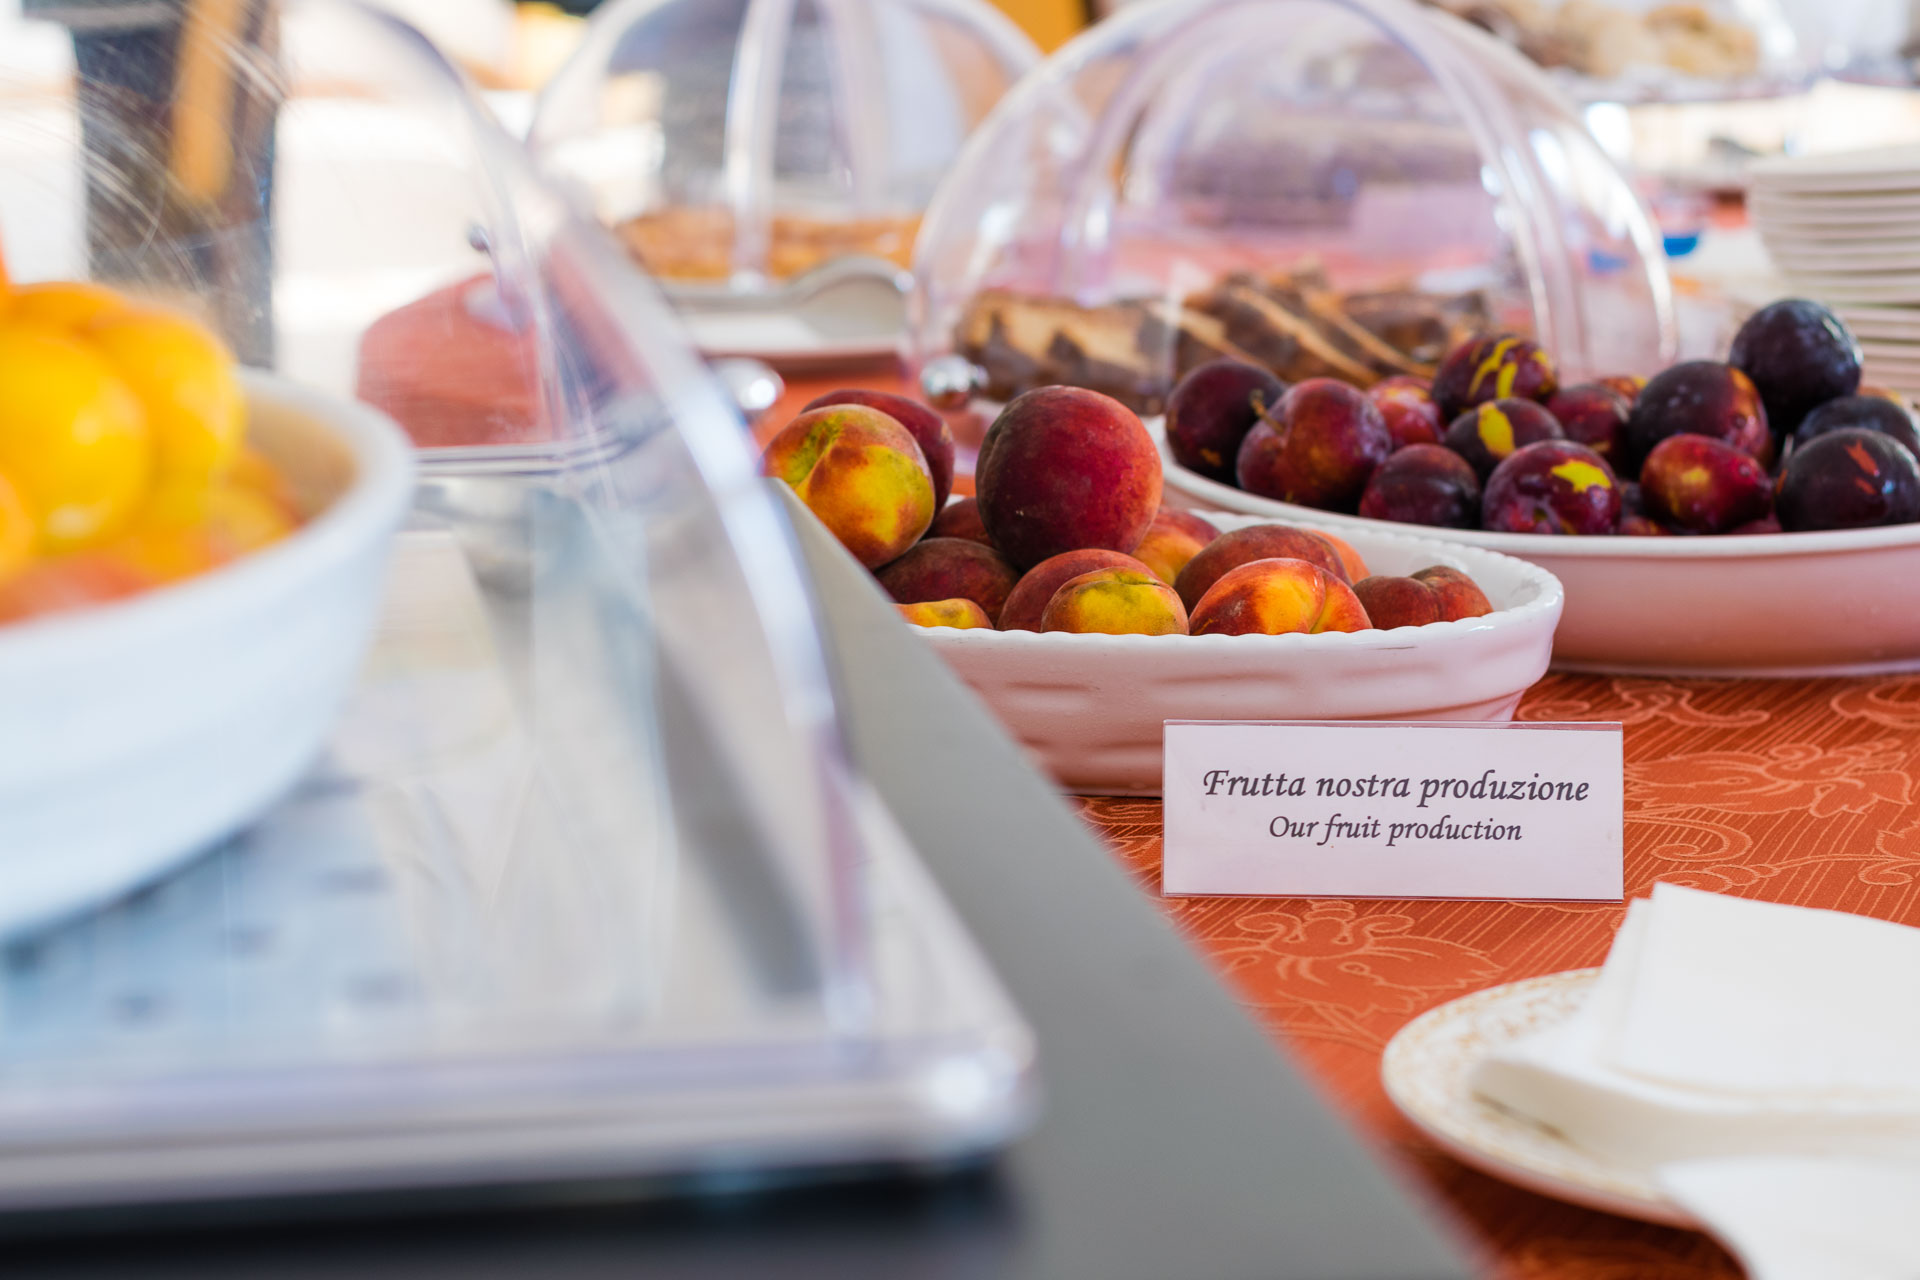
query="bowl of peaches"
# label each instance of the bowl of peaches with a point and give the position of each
(1722, 517)
(1086, 614)
(190, 567)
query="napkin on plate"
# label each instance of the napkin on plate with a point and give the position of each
(1747, 1056)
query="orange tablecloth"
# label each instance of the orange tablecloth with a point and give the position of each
(1793, 791)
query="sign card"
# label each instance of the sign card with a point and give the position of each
(1393, 810)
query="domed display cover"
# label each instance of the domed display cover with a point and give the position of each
(1328, 187)
(735, 144)
(585, 883)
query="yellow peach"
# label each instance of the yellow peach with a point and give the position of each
(961, 613)
(1116, 602)
(861, 473)
(1278, 597)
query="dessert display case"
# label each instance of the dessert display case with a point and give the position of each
(769, 160)
(585, 885)
(1325, 187)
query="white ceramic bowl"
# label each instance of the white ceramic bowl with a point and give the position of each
(137, 733)
(1771, 604)
(1090, 708)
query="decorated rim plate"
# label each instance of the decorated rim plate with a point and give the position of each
(1427, 1069)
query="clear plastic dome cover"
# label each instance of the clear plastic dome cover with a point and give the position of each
(736, 143)
(1329, 187)
(590, 808)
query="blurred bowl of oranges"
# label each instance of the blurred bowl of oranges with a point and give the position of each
(191, 561)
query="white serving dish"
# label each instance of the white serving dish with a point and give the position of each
(1090, 708)
(137, 733)
(1776, 604)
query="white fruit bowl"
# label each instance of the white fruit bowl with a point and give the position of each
(1090, 708)
(1770, 604)
(137, 733)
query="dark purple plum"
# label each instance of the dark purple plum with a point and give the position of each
(1211, 411)
(1848, 479)
(1407, 403)
(1497, 366)
(1487, 434)
(1595, 415)
(1555, 486)
(1800, 356)
(1317, 447)
(1701, 485)
(1869, 413)
(1698, 397)
(1424, 484)
(1634, 520)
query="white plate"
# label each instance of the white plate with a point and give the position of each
(1090, 708)
(135, 734)
(1778, 604)
(1844, 258)
(1879, 206)
(1830, 223)
(1889, 286)
(1870, 169)
(1427, 1069)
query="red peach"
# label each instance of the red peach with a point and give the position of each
(963, 614)
(1064, 469)
(1173, 538)
(1256, 542)
(1350, 559)
(861, 473)
(1397, 602)
(960, 519)
(1460, 596)
(946, 568)
(1278, 597)
(1116, 602)
(1028, 600)
(928, 429)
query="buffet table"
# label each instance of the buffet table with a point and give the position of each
(1796, 791)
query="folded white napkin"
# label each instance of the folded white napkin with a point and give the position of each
(1747, 1056)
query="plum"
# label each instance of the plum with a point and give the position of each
(1424, 484)
(1800, 356)
(1593, 414)
(1211, 411)
(1868, 412)
(1317, 447)
(1702, 485)
(1408, 406)
(1703, 397)
(1496, 366)
(1851, 478)
(1627, 385)
(1490, 432)
(1554, 486)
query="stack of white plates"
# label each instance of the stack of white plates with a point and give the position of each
(1845, 229)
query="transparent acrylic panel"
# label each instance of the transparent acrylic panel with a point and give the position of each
(1334, 187)
(739, 143)
(586, 833)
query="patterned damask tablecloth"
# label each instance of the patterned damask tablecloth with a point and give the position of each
(1793, 791)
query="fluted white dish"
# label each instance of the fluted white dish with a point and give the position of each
(137, 733)
(1089, 708)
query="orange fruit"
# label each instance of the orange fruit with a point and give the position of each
(73, 437)
(184, 376)
(65, 304)
(17, 532)
(69, 582)
(252, 472)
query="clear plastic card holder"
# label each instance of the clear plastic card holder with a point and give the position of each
(585, 883)
(1346, 185)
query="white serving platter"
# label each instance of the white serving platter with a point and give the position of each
(1427, 1070)
(1090, 708)
(134, 734)
(1779, 604)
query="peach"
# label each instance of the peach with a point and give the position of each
(1460, 596)
(1116, 602)
(950, 568)
(1256, 542)
(928, 429)
(1398, 602)
(1278, 597)
(1350, 559)
(960, 613)
(1065, 469)
(960, 519)
(1028, 601)
(1173, 538)
(861, 473)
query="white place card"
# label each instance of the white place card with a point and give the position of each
(1377, 809)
